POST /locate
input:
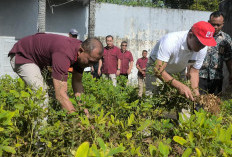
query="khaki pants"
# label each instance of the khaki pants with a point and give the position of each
(31, 74)
(111, 77)
(141, 81)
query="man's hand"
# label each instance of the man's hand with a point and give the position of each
(92, 69)
(185, 90)
(99, 72)
(85, 110)
(128, 71)
(61, 95)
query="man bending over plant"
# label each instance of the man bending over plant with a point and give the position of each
(34, 53)
(175, 51)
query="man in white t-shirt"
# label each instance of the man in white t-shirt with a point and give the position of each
(175, 51)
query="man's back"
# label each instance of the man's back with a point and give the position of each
(173, 49)
(40, 48)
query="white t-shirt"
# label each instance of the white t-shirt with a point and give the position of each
(172, 48)
(87, 69)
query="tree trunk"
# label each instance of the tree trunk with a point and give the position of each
(42, 16)
(226, 7)
(91, 27)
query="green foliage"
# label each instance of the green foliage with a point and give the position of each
(204, 134)
(144, 3)
(203, 5)
(119, 124)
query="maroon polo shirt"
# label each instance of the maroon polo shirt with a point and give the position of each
(47, 50)
(126, 58)
(142, 62)
(110, 60)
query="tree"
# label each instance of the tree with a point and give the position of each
(205, 5)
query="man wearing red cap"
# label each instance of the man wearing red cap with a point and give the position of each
(174, 52)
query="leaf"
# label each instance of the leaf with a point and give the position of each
(152, 150)
(179, 140)
(1, 129)
(129, 135)
(21, 83)
(0, 151)
(198, 152)
(222, 135)
(164, 149)
(112, 118)
(101, 143)
(25, 94)
(95, 150)
(18, 145)
(228, 150)
(83, 150)
(9, 149)
(131, 120)
(190, 136)
(144, 125)
(187, 152)
(115, 150)
(49, 144)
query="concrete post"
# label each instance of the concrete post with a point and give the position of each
(41, 16)
(91, 26)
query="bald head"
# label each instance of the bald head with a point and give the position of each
(90, 44)
(90, 52)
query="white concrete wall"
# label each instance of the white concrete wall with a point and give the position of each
(18, 18)
(68, 16)
(6, 43)
(141, 27)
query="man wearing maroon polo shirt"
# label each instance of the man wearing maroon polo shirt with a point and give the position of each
(111, 60)
(126, 60)
(141, 65)
(34, 53)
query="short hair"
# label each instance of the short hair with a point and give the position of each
(91, 43)
(123, 42)
(216, 14)
(109, 36)
(144, 51)
(73, 36)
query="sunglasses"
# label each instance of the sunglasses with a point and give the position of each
(218, 25)
(123, 45)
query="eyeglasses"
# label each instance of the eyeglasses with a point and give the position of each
(123, 45)
(218, 25)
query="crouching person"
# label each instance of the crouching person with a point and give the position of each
(172, 54)
(32, 54)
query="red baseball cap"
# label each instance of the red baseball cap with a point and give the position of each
(204, 31)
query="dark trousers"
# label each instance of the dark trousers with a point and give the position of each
(210, 86)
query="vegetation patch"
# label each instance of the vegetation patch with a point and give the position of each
(119, 124)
